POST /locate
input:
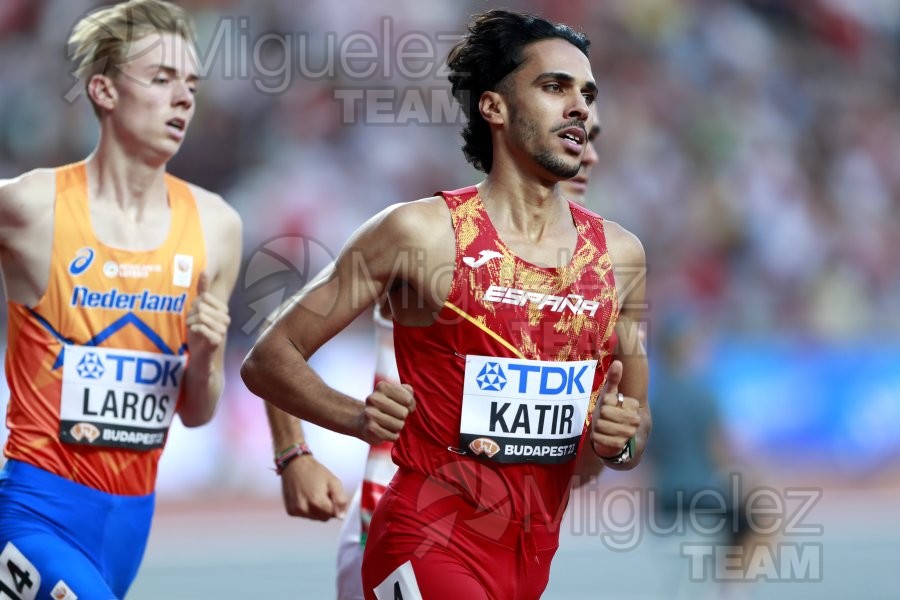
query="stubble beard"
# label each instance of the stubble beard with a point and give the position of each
(528, 132)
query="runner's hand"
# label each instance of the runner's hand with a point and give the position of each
(207, 321)
(614, 424)
(386, 411)
(310, 490)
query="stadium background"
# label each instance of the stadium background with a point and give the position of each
(752, 145)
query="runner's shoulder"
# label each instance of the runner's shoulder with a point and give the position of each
(417, 223)
(213, 204)
(27, 195)
(624, 246)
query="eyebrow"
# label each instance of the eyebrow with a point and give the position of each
(193, 77)
(567, 78)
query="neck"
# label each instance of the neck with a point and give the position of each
(119, 177)
(522, 202)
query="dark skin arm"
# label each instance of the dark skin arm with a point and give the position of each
(367, 270)
(614, 425)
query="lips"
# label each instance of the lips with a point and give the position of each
(176, 127)
(573, 139)
(574, 134)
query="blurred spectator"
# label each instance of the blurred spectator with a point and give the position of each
(698, 491)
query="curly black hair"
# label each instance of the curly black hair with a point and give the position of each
(491, 50)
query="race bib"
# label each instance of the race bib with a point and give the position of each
(516, 410)
(118, 398)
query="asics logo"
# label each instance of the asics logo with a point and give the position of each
(485, 255)
(83, 259)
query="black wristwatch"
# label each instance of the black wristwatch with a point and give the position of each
(623, 457)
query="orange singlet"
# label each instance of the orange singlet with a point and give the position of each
(95, 368)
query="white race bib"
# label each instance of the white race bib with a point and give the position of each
(401, 584)
(120, 398)
(516, 410)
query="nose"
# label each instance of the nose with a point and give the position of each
(580, 109)
(182, 95)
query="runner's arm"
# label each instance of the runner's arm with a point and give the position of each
(276, 368)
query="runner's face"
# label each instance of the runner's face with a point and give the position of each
(549, 99)
(575, 188)
(155, 89)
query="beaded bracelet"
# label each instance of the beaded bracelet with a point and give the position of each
(286, 456)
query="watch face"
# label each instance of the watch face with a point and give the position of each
(623, 458)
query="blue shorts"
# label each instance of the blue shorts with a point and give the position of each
(58, 536)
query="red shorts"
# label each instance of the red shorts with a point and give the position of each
(427, 541)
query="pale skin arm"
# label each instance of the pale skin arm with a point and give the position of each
(8, 214)
(26, 232)
(207, 322)
(613, 426)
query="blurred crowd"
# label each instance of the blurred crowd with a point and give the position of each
(752, 145)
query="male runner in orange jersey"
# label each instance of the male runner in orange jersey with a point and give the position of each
(503, 358)
(310, 490)
(117, 277)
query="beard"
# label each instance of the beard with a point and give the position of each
(528, 136)
(556, 165)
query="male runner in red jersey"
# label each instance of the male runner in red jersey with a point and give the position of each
(310, 490)
(504, 334)
(117, 277)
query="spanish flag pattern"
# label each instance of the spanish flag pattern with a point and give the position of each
(95, 368)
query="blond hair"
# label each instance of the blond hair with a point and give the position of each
(101, 38)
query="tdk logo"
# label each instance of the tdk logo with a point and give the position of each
(145, 371)
(491, 377)
(545, 380)
(551, 380)
(83, 259)
(90, 366)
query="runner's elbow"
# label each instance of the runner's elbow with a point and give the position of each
(252, 370)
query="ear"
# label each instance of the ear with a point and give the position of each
(102, 92)
(492, 107)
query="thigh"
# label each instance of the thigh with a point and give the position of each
(436, 575)
(42, 565)
(67, 532)
(124, 540)
(411, 557)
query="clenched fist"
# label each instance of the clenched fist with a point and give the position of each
(207, 321)
(616, 418)
(312, 491)
(387, 408)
